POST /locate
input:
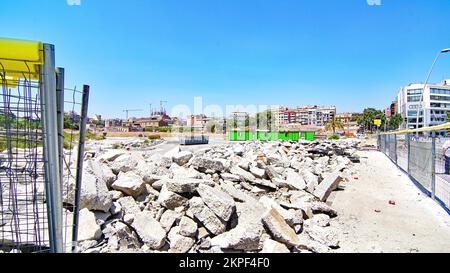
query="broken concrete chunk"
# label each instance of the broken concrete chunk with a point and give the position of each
(218, 201)
(101, 171)
(182, 185)
(94, 193)
(217, 165)
(182, 158)
(179, 243)
(183, 173)
(307, 243)
(329, 184)
(271, 246)
(129, 183)
(311, 180)
(129, 205)
(188, 227)
(235, 193)
(124, 163)
(242, 237)
(168, 219)
(290, 217)
(230, 177)
(325, 235)
(206, 216)
(272, 173)
(279, 229)
(243, 174)
(259, 173)
(149, 230)
(88, 227)
(321, 220)
(294, 180)
(322, 208)
(109, 156)
(116, 208)
(170, 199)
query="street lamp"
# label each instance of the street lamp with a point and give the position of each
(419, 106)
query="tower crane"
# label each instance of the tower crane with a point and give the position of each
(132, 110)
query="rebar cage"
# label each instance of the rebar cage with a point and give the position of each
(36, 208)
(23, 212)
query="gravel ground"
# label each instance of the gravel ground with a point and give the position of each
(370, 224)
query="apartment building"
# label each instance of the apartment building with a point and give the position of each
(278, 115)
(198, 121)
(315, 115)
(392, 109)
(310, 116)
(435, 104)
(349, 122)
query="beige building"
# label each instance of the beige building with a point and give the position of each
(197, 121)
(350, 124)
(310, 116)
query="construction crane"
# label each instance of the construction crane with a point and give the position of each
(163, 110)
(132, 110)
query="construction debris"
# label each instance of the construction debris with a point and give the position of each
(240, 197)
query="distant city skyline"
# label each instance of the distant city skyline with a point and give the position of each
(350, 54)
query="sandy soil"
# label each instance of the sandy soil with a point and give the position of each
(370, 224)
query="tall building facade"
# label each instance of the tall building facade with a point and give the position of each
(316, 115)
(310, 115)
(435, 104)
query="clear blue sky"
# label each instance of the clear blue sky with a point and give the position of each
(291, 52)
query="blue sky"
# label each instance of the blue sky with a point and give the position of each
(291, 52)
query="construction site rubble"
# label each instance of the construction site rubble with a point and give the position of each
(237, 197)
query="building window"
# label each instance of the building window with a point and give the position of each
(414, 98)
(440, 91)
(442, 98)
(440, 105)
(414, 113)
(415, 92)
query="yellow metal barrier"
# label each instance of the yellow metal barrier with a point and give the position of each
(20, 59)
(445, 126)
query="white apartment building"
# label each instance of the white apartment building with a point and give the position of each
(278, 115)
(435, 104)
(310, 115)
(315, 115)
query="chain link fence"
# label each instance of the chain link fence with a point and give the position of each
(37, 151)
(426, 159)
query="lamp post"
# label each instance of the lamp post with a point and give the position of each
(419, 106)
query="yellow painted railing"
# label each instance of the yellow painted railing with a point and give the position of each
(20, 59)
(445, 126)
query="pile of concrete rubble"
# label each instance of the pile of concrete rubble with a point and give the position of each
(239, 197)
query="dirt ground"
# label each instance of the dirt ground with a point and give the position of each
(370, 224)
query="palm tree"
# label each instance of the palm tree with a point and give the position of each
(334, 124)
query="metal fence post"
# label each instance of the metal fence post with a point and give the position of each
(60, 117)
(51, 149)
(386, 145)
(433, 165)
(395, 149)
(80, 158)
(408, 145)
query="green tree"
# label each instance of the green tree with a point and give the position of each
(368, 117)
(69, 124)
(395, 122)
(334, 124)
(211, 126)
